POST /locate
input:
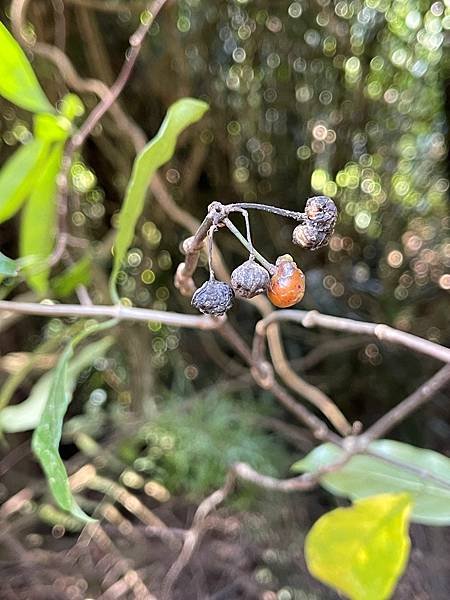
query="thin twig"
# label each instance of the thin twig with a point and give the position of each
(384, 333)
(78, 139)
(119, 312)
(409, 405)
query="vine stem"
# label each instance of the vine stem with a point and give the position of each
(235, 231)
(282, 212)
(78, 139)
(117, 311)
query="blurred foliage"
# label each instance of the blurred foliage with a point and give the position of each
(348, 98)
(189, 449)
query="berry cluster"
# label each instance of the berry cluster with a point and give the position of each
(284, 282)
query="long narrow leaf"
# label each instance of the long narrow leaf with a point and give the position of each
(46, 438)
(159, 150)
(37, 227)
(47, 435)
(18, 175)
(18, 83)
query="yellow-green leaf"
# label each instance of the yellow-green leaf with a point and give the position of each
(159, 150)
(71, 107)
(366, 476)
(18, 83)
(362, 550)
(18, 176)
(37, 226)
(52, 128)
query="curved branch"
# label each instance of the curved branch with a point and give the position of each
(384, 333)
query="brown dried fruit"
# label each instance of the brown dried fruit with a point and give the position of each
(249, 279)
(213, 298)
(318, 227)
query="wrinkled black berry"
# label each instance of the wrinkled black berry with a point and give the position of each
(318, 227)
(213, 298)
(249, 279)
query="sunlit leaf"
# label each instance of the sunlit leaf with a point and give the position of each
(159, 150)
(52, 128)
(71, 107)
(37, 226)
(77, 274)
(362, 550)
(8, 266)
(18, 176)
(18, 83)
(365, 476)
(26, 415)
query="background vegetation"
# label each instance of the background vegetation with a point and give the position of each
(347, 99)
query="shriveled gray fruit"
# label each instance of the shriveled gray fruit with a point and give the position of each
(318, 226)
(213, 298)
(249, 279)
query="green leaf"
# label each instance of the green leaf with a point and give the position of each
(8, 266)
(26, 415)
(18, 83)
(71, 107)
(51, 128)
(159, 150)
(47, 435)
(18, 176)
(365, 476)
(362, 550)
(77, 274)
(37, 227)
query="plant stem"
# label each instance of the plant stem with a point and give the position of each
(235, 231)
(119, 312)
(282, 212)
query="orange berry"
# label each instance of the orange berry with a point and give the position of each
(287, 285)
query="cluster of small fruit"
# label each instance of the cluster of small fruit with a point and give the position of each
(285, 284)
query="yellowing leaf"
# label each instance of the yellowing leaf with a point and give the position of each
(362, 550)
(159, 150)
(18, 83)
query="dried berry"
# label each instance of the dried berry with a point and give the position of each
(213, 298)
(249, 279)
(318, 226)
(287, 285)
(307, 235)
